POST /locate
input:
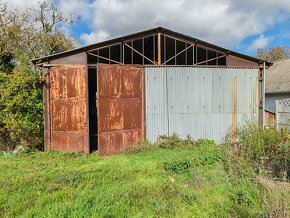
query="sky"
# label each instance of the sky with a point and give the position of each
(239, 25)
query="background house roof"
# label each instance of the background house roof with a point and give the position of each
(278, 77)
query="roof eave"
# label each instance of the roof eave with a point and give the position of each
(277, 92)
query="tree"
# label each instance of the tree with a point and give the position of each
(35, 32)
(21, 119)
(272, 54)
(25, 35)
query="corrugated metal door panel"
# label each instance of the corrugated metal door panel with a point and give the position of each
(201, 102)
(120, 107)
(68, 108)
(156, 103)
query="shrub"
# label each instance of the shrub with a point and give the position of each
(142, 146)
(21, 118)
(267, 150)
(166, 142)
(178, 166)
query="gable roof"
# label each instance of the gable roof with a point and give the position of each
(143, 34)
(278, 77)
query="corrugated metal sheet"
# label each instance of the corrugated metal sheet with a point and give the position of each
(201, 102)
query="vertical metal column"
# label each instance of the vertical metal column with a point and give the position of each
(263, 95)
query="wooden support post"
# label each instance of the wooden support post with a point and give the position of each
(159, 48)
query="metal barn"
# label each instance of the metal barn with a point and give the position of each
(112, 94)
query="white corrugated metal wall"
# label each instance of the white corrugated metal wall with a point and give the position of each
(201, 102)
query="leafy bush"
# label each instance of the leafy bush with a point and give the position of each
(21, 118)
(166, 142)
(267, 150)
(178, 166)
(142, 146)
(25, 35)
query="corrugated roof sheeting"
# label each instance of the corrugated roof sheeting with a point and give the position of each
(201, 102)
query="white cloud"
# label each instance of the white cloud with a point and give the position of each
(78, 8)
(224, 22)
(260, 42)
(23, 4)
(94, 37)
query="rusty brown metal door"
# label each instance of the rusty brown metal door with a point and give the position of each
(121, 117)
(69, 108)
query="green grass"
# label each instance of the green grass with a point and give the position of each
(182, 181)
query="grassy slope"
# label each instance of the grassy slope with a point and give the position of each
(53, 184)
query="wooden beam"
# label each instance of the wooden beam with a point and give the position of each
(60, 65)
(178, 39)
(210, 60)
(178, 54)
(106, 46)
(140, 54)
(159, 48)
(104, 58)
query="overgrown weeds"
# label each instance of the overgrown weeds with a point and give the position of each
(168, 142)
(266, 150)
(173, 177)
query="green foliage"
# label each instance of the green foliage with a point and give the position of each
(200, 181)
(25, 35)
(273, 53)
(208, 155)
(178, 166)
(267, 150)
(35, 32)
(6, 64)
(21, 118)
(168, 142)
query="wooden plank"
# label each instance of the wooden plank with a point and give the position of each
(105, 58)
(106, 46)
(210, 60)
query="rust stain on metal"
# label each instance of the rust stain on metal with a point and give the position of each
(120, 107)
(68, 103)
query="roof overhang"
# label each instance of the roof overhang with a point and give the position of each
(279, 92)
